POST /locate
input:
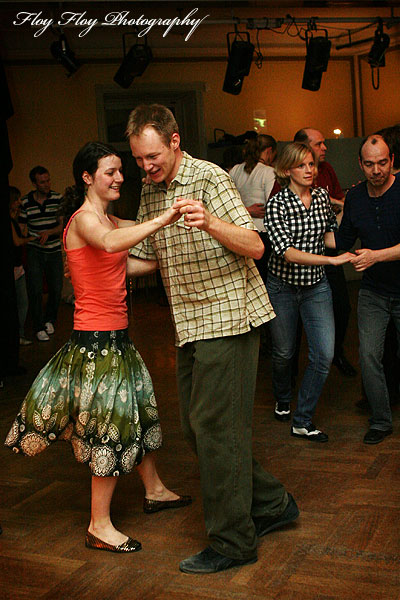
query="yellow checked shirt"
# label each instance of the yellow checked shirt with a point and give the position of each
(212, 291)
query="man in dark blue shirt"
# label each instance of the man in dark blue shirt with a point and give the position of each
(372, 214)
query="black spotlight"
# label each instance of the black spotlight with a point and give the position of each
(240, 55)
(134, 63)
(318, 52)
(64, 55)
(376, 56)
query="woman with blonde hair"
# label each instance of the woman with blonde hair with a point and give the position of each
(296, 220)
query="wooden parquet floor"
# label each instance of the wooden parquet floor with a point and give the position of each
(345, 545)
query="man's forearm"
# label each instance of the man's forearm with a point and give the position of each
(388, 254)
(366, 258)
(242, 241)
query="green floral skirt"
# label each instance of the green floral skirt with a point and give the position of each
(96, 393)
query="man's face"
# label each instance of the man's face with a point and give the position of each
(43, 183)
(376, 163)
(317, 142)
(158, 160)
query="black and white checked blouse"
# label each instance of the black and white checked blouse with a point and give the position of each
(290, 224)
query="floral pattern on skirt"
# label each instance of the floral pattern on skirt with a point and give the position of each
(96, 393)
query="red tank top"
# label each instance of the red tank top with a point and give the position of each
(99, 281)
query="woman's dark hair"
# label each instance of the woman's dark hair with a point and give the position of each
(87, 159)
(14, 194)
(254, 148)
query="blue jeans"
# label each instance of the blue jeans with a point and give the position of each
(50, 265)
(314, 304)
(374, 313)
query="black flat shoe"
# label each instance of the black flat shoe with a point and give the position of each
(152, 506)
(91, 541)
(266, 524)
(374, 436)
(211, 561)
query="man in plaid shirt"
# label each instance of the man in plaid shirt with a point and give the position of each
(217, 301)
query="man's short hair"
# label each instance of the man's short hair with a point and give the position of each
(301, 136)
(152, 115)
(374, 139)
(37, 171)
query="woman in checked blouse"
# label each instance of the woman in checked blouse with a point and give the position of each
(296, 220)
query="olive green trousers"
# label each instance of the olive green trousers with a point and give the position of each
(216, 386)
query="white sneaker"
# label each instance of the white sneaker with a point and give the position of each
(49, 327)
(24, 342)
(42, 336)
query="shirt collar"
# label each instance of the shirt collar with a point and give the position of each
(314, 192)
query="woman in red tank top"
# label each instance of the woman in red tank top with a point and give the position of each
(96, 392)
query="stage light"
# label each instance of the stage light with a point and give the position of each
(376, 56)
(240, 55)
(134, 63)
(64, 55)
(318, 52)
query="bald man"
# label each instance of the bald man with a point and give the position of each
(327, 177)
(372, 214)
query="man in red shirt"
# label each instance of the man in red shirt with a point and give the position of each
(328, 180)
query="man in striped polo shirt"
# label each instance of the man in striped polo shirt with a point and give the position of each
(40, 213)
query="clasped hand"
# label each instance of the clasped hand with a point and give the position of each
(363, 259)
(195, 213)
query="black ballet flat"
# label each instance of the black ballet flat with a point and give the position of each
(152, 506)
(91, 541)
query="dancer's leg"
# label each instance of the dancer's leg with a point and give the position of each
(155, 489)
(100, 520)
